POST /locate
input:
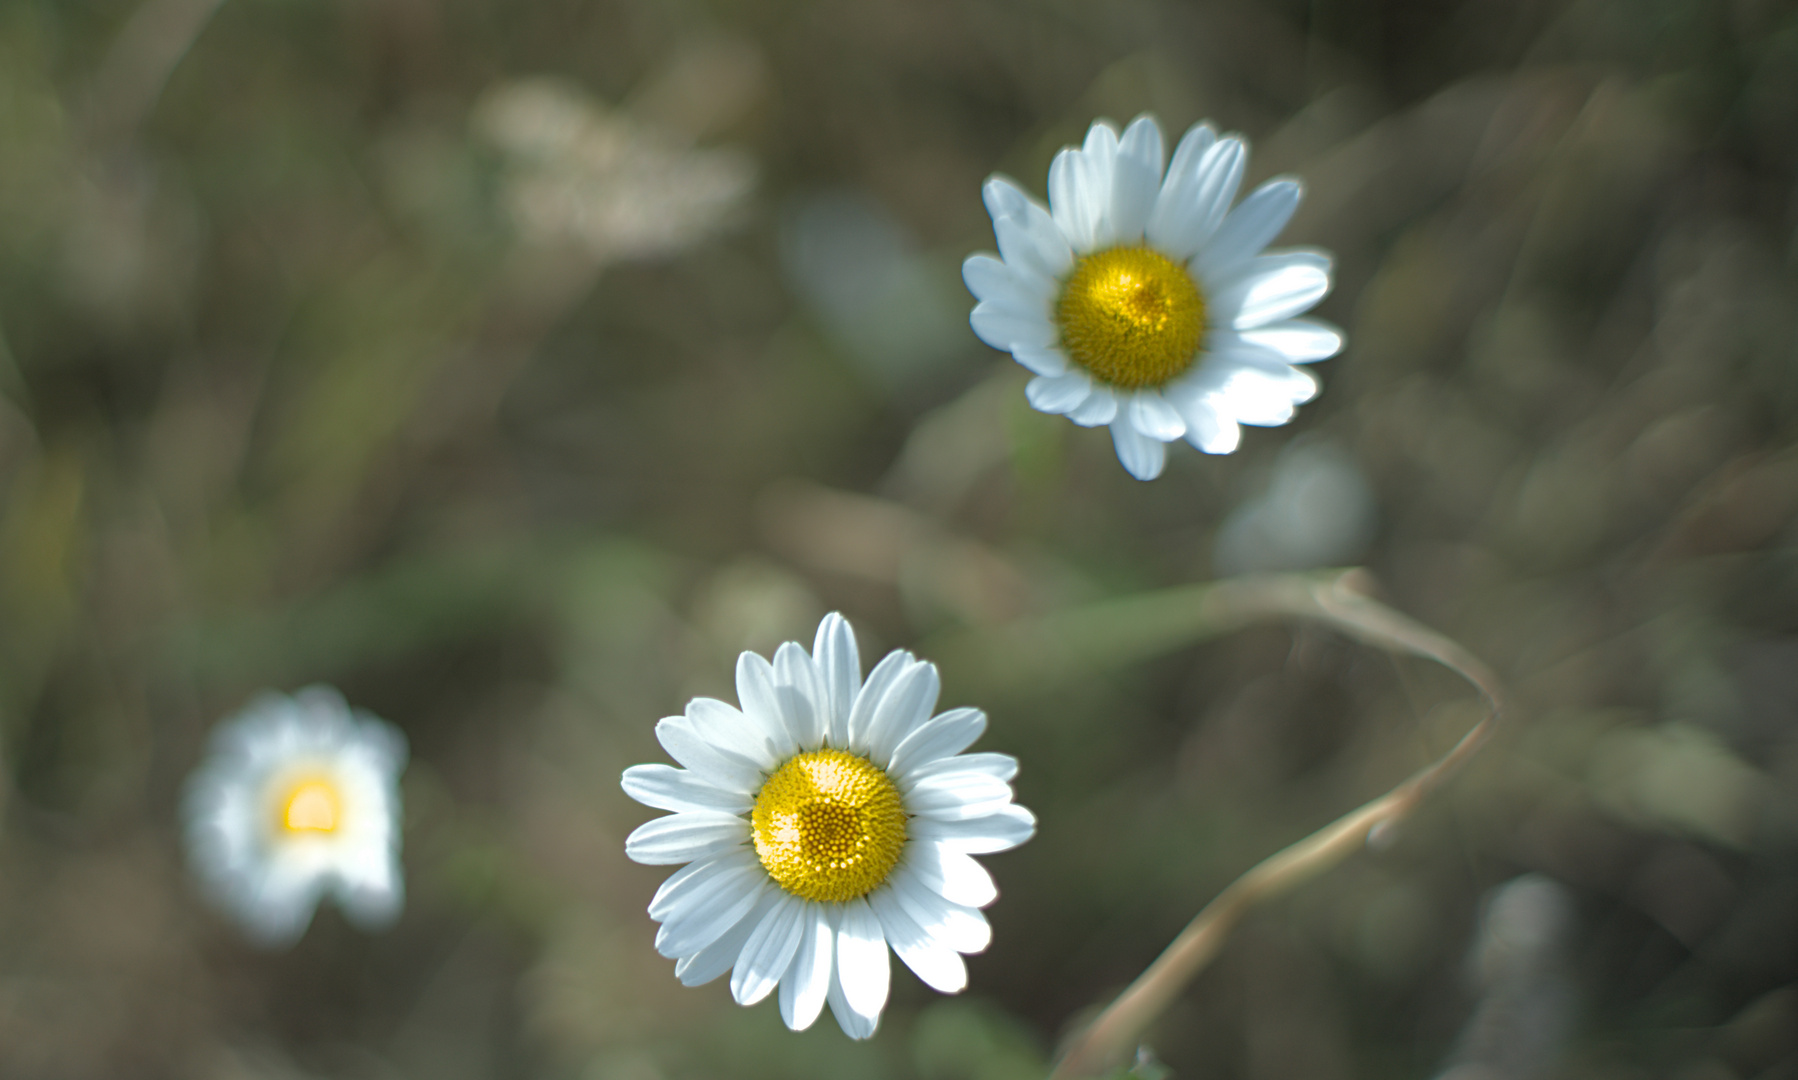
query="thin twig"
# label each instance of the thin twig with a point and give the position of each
(1338, 601)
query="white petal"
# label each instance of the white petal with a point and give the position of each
(989, 279)
(957, 796)
(931, 960)
(768, 952)
(999, 766)
(694, 929)
(861, 714)
(1150, 414)
(953, 874)
(835, 653)
(807, 982)
(1141, 456)
(727, 729)
(959, 927)
(906, 705)
(854, 1025)
(804, 700)
(1003, 326)
(1034, 244)
(1299, 341)
(982, 836)
(761, 705)
(1049, 361)
(1249, 228)
(680, 838)
(719, 766)
(1100, 408)
(950, 733)
(1135, 180)
(667, 788)
(697, 969)
(1004, 198)
(1197, 193)
(862, 964)
(1058, 393)
(1265, 397)
(1080, 188)
(1272, 287)
(1210, 430)
(692, 884)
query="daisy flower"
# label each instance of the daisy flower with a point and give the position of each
(1143, 301)
(826, 820)
(297, 797)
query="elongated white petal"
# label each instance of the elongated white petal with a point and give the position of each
(1100, 407)
(720, 767)
(1034, 243)
(1248, 228)
(1011, 286)
(862, 964)
(1210, 430)
(761, 705)
(950, 733)
(957, 796)
(806, 984)
(680, 838)
(1136, 179)
(804, 699)
(951, 873)
(959, 927)
(727, 729)
(1299, 341)
(906, 705)
(697, 969)
(1004, 198)
(667, 788)
(696, 881)
(692, 930)
(1196, 197)
(1271, 287)
(931, 960)
(839, 662)
(854, 1024)
(768, 952)
(1150, 414)
(999, 766)
(1050, 361)
(1265, 397)
(1002, 326)
(1001, 831)
(861, 715)
(1141, 456)
(1059, 393)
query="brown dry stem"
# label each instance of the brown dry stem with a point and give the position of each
(1339, 600)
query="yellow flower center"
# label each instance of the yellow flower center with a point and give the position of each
(1131, 316)
(312, 806)
(829, 826)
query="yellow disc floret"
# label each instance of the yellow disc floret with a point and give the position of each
(313, 805)
(1131, 316)
(829, 826)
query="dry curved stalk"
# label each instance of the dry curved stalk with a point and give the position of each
(1340, 602)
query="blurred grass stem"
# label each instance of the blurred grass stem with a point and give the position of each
(148, 49)
(1337, 599)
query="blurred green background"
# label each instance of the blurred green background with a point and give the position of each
(512, 365)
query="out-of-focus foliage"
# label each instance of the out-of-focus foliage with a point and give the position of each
(512, 365)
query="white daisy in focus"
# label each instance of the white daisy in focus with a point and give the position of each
(1144, 301)
(825, 821)
(297, 797)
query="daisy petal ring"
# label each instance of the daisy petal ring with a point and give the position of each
(1142, 300)
(825, 821)
(298, 796)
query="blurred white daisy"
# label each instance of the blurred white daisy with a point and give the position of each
(1144, 301)
(298, 796)
(823, 822)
